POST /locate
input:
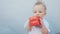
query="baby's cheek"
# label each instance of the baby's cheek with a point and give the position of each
(35, 14)
(41, 15)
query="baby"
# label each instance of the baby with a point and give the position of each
(39, 9)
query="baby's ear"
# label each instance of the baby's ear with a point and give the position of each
(45, 13)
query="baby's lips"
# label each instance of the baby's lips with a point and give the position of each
(37, 16)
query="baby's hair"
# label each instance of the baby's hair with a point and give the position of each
(40, 3)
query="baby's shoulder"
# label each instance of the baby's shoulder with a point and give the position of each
(45, 22)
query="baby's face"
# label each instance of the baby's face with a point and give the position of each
(39, 10)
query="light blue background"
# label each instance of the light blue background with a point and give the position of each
(14, 13)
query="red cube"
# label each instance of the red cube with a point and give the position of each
(35, 21)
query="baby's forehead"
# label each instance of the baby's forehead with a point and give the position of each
(38, 7)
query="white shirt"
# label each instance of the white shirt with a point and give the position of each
(37, 30)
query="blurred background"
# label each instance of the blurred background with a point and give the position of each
(14, 13)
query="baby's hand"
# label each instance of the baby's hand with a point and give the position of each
(43, 28)
(28, 27)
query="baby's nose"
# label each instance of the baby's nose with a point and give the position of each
(37, 14)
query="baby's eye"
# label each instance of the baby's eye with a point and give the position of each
(40, 11)
(35, 12)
